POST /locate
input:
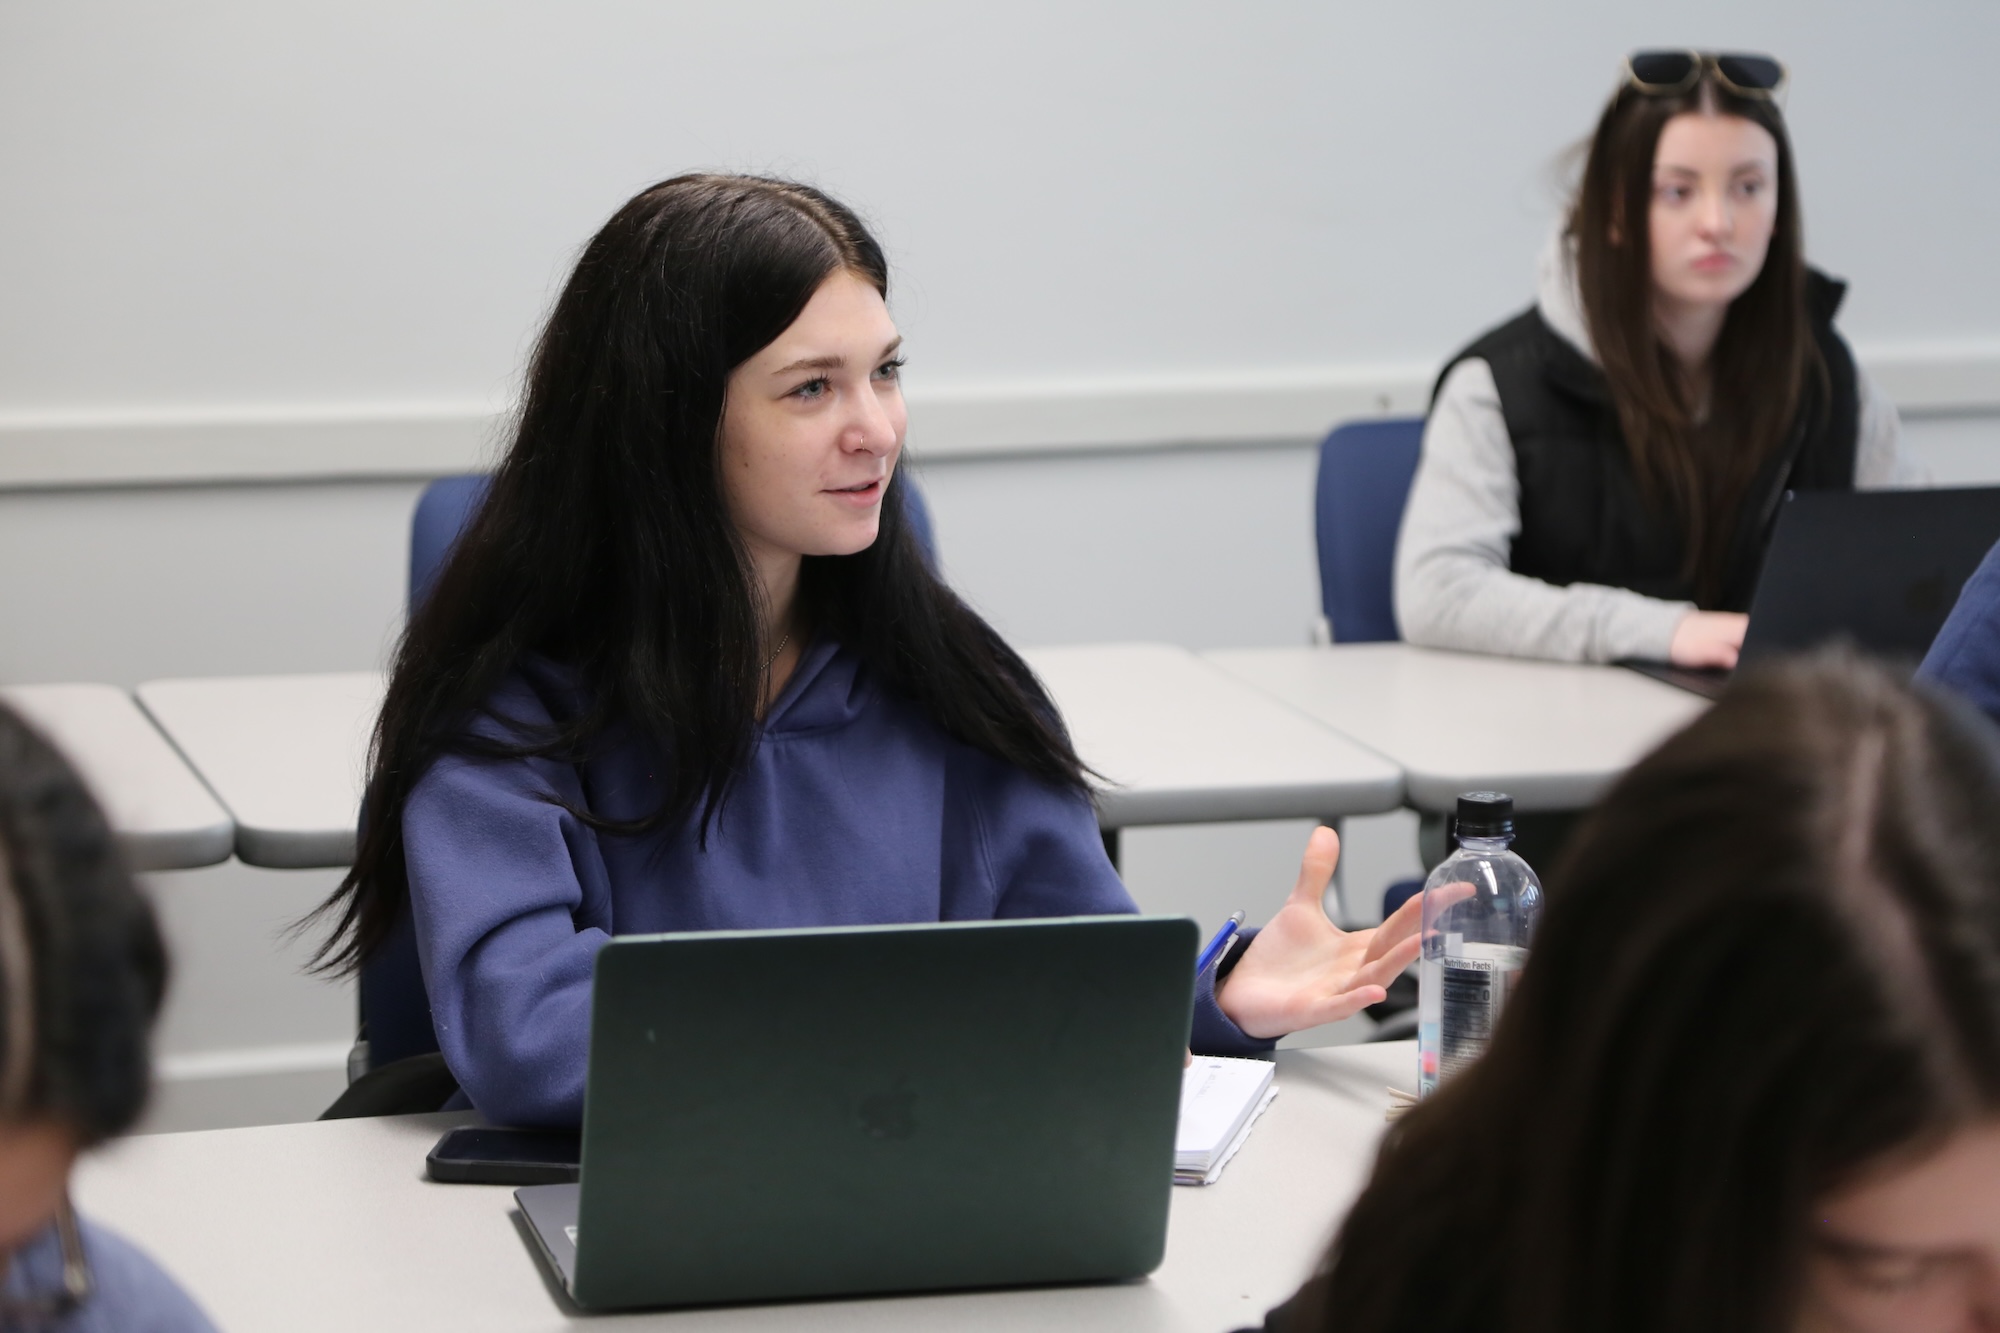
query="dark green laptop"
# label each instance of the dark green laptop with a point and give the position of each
(791, 1113)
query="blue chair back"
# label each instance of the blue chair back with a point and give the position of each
(443, 510)
(917, 511)
(395, 1007)
(1365, 470)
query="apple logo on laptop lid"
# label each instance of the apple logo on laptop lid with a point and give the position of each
(891, 1114)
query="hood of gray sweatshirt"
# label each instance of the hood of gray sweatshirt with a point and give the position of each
(1556, 295)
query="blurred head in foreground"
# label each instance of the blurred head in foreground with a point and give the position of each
(1751, 1077)
(82, 972)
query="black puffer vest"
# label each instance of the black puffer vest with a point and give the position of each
(1584, 518)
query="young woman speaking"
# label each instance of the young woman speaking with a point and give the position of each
(687, 669)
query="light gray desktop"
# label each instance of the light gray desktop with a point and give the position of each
(165, 819)
(1553, 735)
(1180, 741)
(331, 1225)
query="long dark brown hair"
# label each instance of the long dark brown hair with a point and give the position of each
(605, 544)
(1765, 362)
(1770, 960)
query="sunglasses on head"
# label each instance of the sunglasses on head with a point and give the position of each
(1663, 73)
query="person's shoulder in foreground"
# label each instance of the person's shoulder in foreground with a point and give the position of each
(1965, 656)
(129, 1293)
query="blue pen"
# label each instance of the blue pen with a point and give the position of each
(1220, 944)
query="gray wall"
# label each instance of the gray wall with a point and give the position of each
(225, 217)
(222, 204)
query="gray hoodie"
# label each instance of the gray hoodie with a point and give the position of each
(1453, 586)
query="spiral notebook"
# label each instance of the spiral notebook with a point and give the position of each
(1221, 1099)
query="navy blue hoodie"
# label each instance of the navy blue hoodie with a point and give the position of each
(854, 809)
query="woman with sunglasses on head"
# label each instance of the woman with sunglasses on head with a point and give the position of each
(82, 971)
(687, 669)
(1749, 1081)
(1600, 474)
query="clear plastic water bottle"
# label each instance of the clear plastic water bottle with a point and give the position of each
(1474, 943)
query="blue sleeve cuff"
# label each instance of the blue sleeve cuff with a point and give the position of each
(1213, 1033)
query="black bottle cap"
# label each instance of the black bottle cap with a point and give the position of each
(1485, 814)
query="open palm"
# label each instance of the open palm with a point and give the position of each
(1302, 970)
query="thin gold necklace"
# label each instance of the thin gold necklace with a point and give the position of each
(776, 651)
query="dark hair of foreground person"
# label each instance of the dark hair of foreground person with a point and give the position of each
(1769, 967)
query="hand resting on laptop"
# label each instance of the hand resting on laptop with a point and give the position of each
(1708, 639)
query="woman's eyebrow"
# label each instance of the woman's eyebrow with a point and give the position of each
(1849, 1249)
(1677, 169)
(831, 362)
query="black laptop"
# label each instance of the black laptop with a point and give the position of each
(1878, 569)
(796, 1113)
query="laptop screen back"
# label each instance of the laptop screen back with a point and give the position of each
(805, 1113)
(1879, 568)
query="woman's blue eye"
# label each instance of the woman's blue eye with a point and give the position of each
(812, 388)
(890, 370)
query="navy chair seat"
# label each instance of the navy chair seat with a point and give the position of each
(395, 1007)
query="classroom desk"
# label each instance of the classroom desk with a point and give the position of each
(1183, 743)
(286, 754)
(330, 1225)
(1554, 735)
(162, 815)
